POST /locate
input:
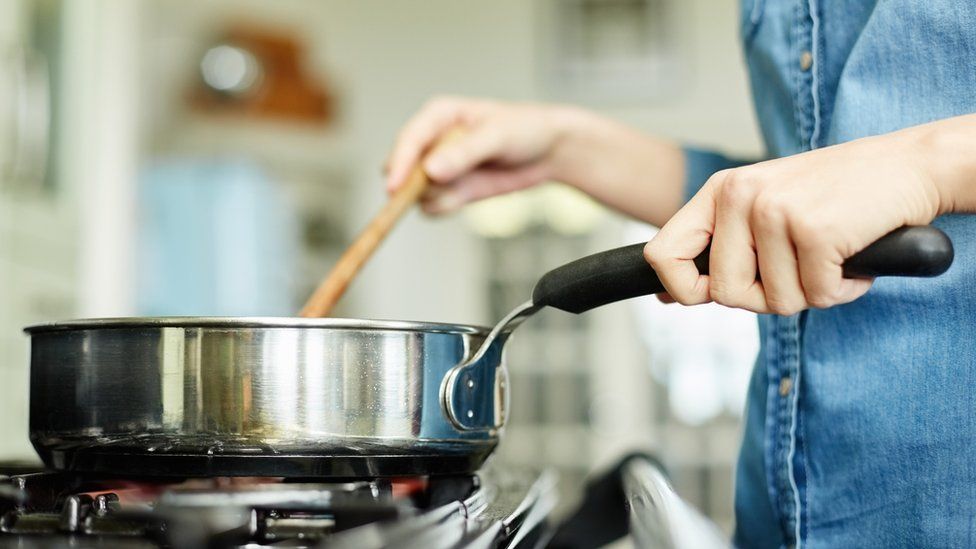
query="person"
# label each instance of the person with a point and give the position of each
(861, 417)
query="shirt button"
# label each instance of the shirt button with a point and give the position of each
(806, 61)
(785, 385)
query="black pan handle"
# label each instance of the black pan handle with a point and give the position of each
(622, 273)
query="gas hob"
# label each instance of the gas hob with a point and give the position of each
(493, 508)
(488, 509)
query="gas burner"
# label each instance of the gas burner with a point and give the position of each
(488, 509)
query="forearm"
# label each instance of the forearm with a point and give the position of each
(627, 170)
(947, 150)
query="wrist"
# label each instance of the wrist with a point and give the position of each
(637, 174)
(945, 152)
(574, 129)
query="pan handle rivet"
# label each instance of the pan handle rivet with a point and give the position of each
(470, 384)
(470, 414)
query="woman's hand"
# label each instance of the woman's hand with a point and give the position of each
(511, 146)
(506, 147)
(792, 222)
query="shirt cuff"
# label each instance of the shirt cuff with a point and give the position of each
(700, 165)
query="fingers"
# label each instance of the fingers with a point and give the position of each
(422, 130)
(761, 258)
(454, 159)
(665, 298)
(778, 265)
(733, 266)
(479, 184)
(672, 251)
(441, 200)
(821, 275)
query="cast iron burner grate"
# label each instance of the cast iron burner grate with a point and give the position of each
(489, 509)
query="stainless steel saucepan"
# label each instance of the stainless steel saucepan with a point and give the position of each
(320, 397)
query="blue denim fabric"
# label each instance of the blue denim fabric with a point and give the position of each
(701, 164)
(861, 419)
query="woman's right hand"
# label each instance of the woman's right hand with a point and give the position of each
(505, 147)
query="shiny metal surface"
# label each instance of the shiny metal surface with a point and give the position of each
(253, 389)
(255, 322)
(659, 518)
(464, 385)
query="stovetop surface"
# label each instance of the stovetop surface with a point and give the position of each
(492, 508)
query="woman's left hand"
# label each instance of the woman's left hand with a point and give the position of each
(780, 230)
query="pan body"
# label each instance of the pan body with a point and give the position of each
(250, 397)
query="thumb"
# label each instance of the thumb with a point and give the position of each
(478, 184)
(454, 159)
(853, 288)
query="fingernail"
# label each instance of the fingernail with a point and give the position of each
(437, 166)
(447, 202)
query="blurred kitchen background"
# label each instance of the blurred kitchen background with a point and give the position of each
(213, 158)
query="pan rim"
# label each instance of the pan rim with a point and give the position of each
(233, 322)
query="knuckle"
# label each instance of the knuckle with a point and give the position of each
(821, 299)
(770, 209)
(657, 256)
(818, 302)
(721, 292)
(823, 295)
(782, 306)
(805, 228)
(683, 295)
(653, 254)
(809, 232)
(717, 178)
(737, 188)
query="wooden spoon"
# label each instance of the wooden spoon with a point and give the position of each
(330, 290)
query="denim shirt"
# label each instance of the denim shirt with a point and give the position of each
(861, 418)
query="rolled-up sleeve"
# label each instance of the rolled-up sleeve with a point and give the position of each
(700, 164)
